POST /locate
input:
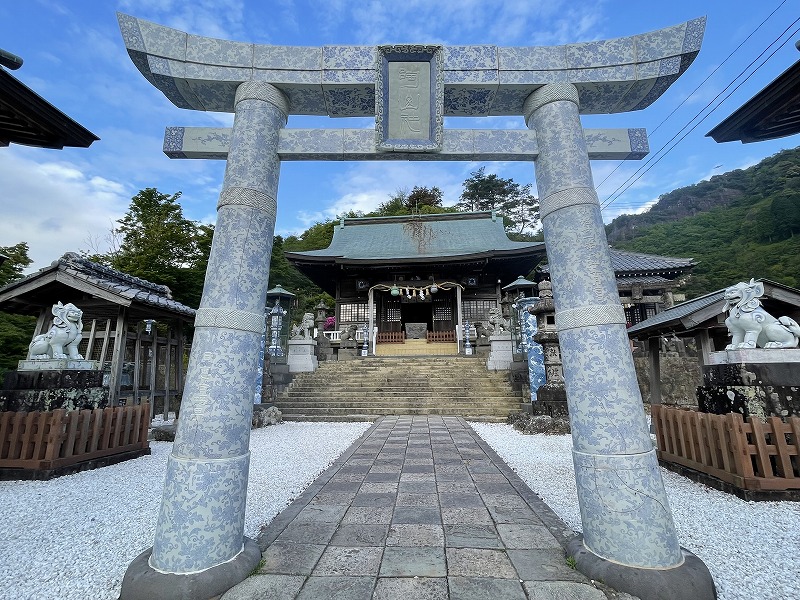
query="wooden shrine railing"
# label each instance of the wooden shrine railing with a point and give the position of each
(391, 337)
(50, 440)
(751, 455)
(441, 336)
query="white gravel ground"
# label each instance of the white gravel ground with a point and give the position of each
(751, 548)
(73, 537)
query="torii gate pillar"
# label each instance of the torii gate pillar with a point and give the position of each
(629, 539)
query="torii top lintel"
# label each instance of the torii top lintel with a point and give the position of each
(611, 76)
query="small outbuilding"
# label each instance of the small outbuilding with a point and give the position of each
(132, 327)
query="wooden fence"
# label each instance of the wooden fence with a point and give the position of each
(60, 438)
(441, 336)
(751, 455)
(391, 337)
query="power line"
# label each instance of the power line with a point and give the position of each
(663, 151)
(702, 83)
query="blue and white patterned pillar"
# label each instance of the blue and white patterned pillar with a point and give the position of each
(201, 523)
(624, 510)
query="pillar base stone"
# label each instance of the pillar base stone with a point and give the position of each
(142, 582)
(689, 581)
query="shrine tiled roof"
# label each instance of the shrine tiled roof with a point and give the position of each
(628, 264)
(89, 274)
(422, 237)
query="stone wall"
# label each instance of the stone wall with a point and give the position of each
(680, 377)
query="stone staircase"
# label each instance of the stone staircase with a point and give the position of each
(366, 388)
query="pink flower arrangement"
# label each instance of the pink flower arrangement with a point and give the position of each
(330, 323)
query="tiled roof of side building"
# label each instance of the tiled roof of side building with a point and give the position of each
(123, 285)
(422, 236)
(679, 311)
(637, 262)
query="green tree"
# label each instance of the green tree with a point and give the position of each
(422, 198)
(16, 263)
(15, 330)
(157, 243)
(517, 204)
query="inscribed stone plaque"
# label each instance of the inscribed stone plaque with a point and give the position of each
(409, 104)
(409, 99)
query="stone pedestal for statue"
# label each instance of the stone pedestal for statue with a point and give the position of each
(302, 356)
(48, 384)
(501, 354)
(752, 382)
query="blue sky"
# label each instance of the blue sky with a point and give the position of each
(68, 200)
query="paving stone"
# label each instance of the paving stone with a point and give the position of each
(421, 500)
(452, 468)
(407, 477)
(455, 486)
(544, 565)
(382, 477)
(321, 513)
(357, 534)
(504, 500)
(342, 476)
(531, 537)
(483, 467)
(493, 477)
(289, 558)
(386, 499)
(261, 587)
(308, 533)
(452, 515)
(414, 588)
(369, 514)
(333, 498)
(562, 590)
(461, 499)
(415, 534)
(484, 588)
(414, 514)
(479, 562)
(403, 561)
(378, 488)
(356, 562)
(417, 487)
(492, 487)
(338, 487)
(360, 462)
(409, 468)
(458, 477)
(525, 516)
(419, 461)
(337, 588)
(472, 536)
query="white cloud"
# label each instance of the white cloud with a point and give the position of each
(54, 207)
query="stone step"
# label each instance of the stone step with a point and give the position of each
(485, 404)
(393, 388)
(366, 388)
(370, 418)
(390, 410)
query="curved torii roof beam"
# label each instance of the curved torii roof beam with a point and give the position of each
(611, 76)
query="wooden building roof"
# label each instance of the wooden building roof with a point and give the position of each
(475, 240)
(705, 312)
(28, 119)
(96, 289)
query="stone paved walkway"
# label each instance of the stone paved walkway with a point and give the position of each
(417, 508)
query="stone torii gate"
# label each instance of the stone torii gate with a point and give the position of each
(629, 538)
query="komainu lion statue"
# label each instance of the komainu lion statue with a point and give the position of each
(497, 324)
(63, 338)
(303, 330)
(349, 333)
(750, 325)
